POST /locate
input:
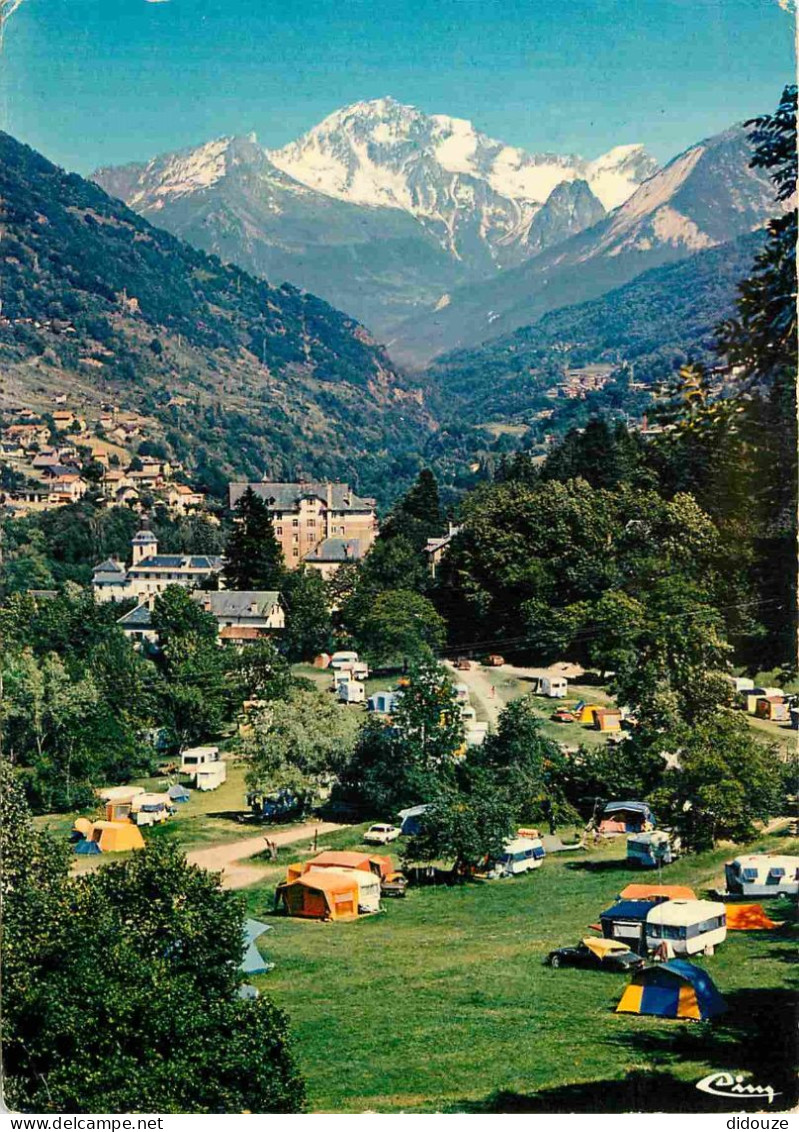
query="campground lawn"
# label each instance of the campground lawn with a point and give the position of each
(442, 1002)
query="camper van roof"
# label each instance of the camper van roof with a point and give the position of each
(655, 837)
(627, 910)
(519, 844)
(681, 912)
(767, 860)
(200, 751)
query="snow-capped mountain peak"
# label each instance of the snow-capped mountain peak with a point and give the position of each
(386, 154)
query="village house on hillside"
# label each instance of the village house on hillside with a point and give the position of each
(319, 524)
(242, 616)
(436, 548)
(151, 572)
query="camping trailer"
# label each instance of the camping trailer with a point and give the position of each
(197, 756)
(351, 692)
(762, 874)
(555, 687)
(686, 927)
(383, 703)
(150, 809)
(211, 776)
(648, 850)
(521, 855)
(343, 659)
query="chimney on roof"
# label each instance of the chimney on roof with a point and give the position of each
(207, 604)
(254, 608)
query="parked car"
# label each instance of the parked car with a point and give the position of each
(395, 884)
(381, 834)
(598, 954)
(463, 664)
(494, 660)
(562, 715)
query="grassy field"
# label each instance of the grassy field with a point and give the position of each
(442, 1002)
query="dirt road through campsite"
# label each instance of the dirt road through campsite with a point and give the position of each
(229, 859)
(481, 688)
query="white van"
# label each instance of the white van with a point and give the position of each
(687, 927)
(520, 855)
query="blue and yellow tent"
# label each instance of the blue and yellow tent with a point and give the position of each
(672, 990)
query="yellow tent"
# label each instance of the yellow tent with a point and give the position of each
(117, 836)
(586, 713)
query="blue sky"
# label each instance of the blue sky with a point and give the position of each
(94, 82)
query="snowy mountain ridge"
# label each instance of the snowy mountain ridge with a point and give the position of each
(386, 154)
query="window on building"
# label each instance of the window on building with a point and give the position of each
(295, 522)
(280, 531)
(296, 552)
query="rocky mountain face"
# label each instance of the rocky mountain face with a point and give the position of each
(705, 197)
(235, 375)
(380, 209)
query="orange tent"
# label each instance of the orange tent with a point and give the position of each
(321, 896)
(345, 859)
(748, 918)
(657, 892)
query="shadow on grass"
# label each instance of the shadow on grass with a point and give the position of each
(640, 1091)
(614, 865)
(756, 1038)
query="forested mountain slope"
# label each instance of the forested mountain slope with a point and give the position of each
(241, 376)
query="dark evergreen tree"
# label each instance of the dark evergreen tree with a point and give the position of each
(253, 558)
(417, 516)
(309, 629)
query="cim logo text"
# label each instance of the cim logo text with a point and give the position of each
(734, 1087)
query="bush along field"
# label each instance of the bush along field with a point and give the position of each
(443, 1001)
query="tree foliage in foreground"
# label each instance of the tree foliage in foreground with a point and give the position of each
(120, 987)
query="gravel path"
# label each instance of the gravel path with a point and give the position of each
(228, 859)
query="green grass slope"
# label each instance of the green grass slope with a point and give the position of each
(442, 1002)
